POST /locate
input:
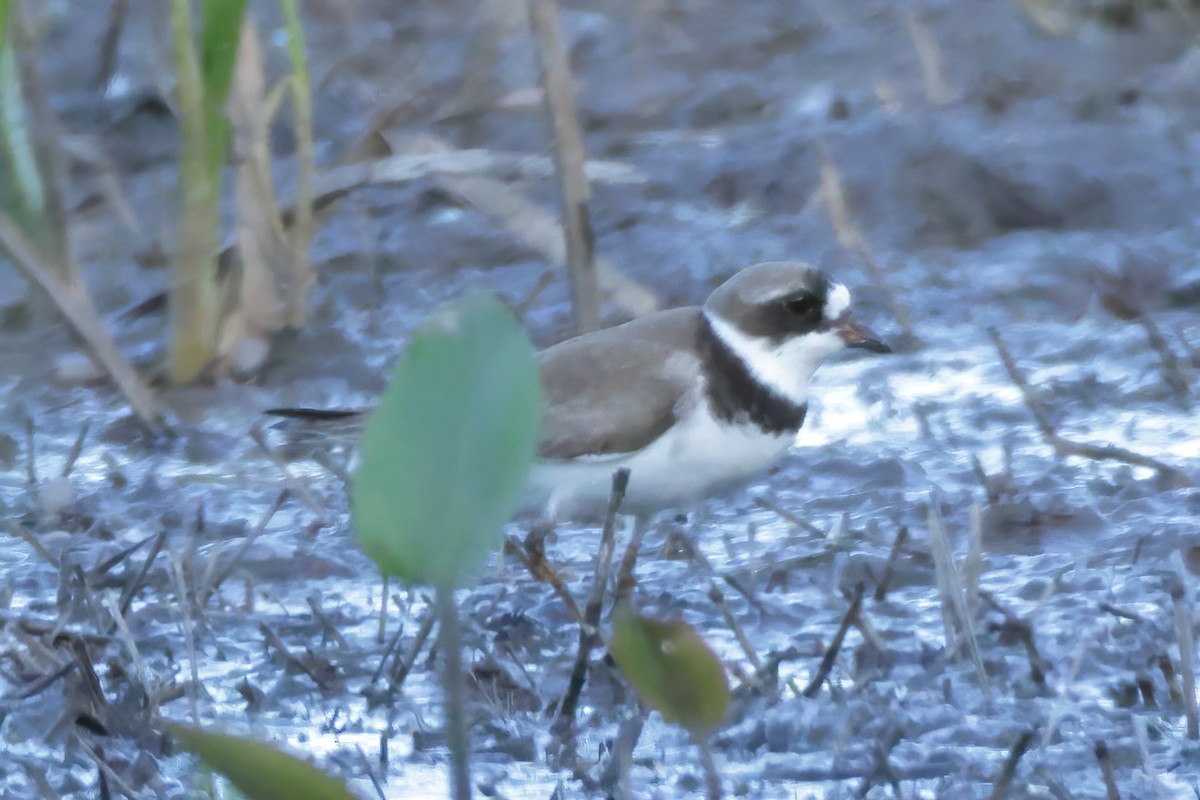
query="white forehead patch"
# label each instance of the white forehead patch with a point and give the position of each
(837, 301)
(786, 367)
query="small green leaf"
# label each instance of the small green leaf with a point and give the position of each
(445, 453)
(672, 668)
(260, 771)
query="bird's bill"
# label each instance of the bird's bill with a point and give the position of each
(859, 336)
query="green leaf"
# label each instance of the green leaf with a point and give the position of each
(445, 453)
(672, 669)
(260, 771)
(222, 29)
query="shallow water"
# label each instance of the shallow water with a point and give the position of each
(996, 209)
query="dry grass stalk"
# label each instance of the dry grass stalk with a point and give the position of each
(533, 557)
(1053, 17)
(972, 565)
(75, 304)
(933, 71)
(955, 614)
(1102, 756)
(118, 12)
(299, 236)
(833, 195)
(1172, 366)
(189, 633)
(569, 157)
(535, 229)
(835, 646)
(397, 676)
(1181, 601)
(1064, 446)
(589, 629)
(121, 629)
(1009, 770)
(88, 152)
(625, 579)
(1141, 732)
(253, 307)
(889, 568)
(214, 577)
(497, 20)
(1056, 788)
(438, 160)
(106, 770)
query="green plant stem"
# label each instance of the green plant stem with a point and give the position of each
(194, 298)
(712, 778)
(452, 684)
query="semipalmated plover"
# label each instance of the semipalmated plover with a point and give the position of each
(693, 401)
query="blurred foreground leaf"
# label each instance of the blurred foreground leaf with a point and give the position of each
(445, 452)
(672, 668)
(260, 771)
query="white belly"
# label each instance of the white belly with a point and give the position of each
(697, 458)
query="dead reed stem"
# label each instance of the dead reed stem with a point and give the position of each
(75, 304)
(835, 646)
(1066, 446)
(589, 628)
(569, 157)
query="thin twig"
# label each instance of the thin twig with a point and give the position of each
(799, 522)
(23, 533)
(293, 483)
(625, 579)
(1141, 732)
(953, 595)
(396, 678)
(371, 772)
(131, 589)
(1004, 779)
(1172, 367)
(76, 449)
(889, 568)
(1187, 645)
(589, 629)
(534, 560)
(831, 653)
(217, 577)
(1063, 446)
(1102, 756)
(75, 304)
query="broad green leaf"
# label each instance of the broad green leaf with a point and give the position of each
(444, 454)
(222, 27)
(672, 669)
(260, 771)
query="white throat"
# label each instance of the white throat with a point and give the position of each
(786, 367)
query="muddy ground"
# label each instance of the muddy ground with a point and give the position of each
(1044, 188)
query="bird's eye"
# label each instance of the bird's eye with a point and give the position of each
(805, 305)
